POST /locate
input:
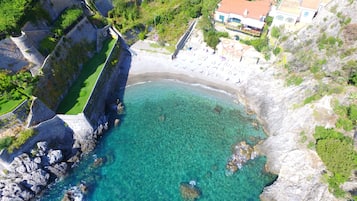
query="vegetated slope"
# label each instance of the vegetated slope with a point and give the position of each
(323, 55)
(15, 13)
(168, 19)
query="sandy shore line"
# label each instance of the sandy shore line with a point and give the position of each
(197, 64)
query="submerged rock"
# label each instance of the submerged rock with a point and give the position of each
(189, 191)
(242, 153)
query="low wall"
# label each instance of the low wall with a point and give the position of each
(181, 43)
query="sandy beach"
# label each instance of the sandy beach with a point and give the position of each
(227, 68)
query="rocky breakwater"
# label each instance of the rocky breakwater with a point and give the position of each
(242, 153)
(57, 145)
(29, 174)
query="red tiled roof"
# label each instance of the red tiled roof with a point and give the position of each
(256, 8)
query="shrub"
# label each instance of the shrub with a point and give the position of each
(5, 142)
(344, 123)
(294, 80)
(211, 38)
(21, 139)
(340, 158)
(269, 20)
(276, 51)
(275, 32)
(259, 44)
(352, 113)
(142, 35)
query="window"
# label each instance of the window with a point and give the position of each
(290, 20)
(236, 20)
(279, 17)
(221, 17)
(306, 13)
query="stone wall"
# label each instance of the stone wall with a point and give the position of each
(55, 82)
(181, 43)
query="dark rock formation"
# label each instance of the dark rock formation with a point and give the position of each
(189, 191)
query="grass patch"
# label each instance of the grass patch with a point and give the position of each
(80, 91)
(7, 105)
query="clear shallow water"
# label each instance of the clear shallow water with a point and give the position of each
(171, 133)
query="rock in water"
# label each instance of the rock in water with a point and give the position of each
(116, 122)
(189, 192)
(242, 152)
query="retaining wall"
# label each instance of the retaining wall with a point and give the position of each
(181, 43)
(95, 108)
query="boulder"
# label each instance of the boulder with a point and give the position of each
(36, 180)
(59, 169)
(189, 191)
(54, 156)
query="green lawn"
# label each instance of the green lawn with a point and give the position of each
(9, 104)
(80, 91)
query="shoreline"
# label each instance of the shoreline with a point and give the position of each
(257, 87)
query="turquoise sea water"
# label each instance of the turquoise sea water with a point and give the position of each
(171, 133)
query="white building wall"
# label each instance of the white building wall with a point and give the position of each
(306, 15)
(283, 18)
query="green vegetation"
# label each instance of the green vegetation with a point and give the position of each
(350, 69)
(20, 139)
(294, 80)
(337, 153)
(64, 70)
(169, 18)
(275, 32)
(11, 14)
(322, 90)
(5, 142)
(80, 91)
(15, 13)
(62, 25)
(347, 116)
(66, 20)
(325, 42)
(343, 19)
(14, 89)
(261, 44)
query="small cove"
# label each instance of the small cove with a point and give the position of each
(171, 133)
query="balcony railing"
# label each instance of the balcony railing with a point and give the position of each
(240, 28)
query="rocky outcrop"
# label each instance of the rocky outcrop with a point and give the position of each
(46, 156)
(242, 153)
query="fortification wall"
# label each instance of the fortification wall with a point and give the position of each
(60, 69)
